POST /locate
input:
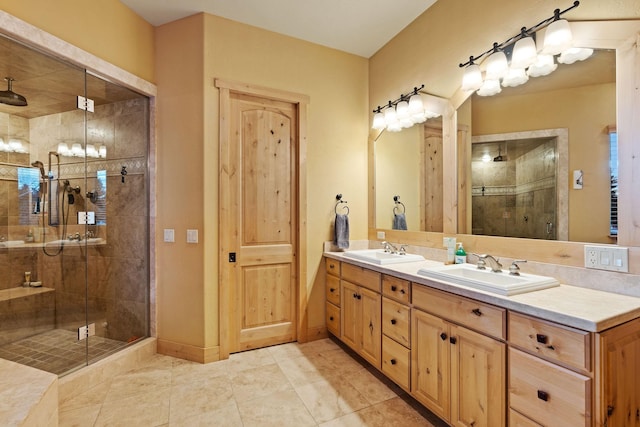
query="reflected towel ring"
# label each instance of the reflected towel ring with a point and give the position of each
(396, 210)
(339, 199)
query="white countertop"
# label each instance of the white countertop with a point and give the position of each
(581, 308)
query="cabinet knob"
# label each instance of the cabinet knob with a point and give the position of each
(543, 395)
(542, 339)
(443, 336)
(609, 410)
(394, 288)
(355, 295)
(331, 266)
(331, 318)
(332, 289)
(402, 291)
(359, 296)
(453, 340)
(393, 361)
(477, 312)
(393, 321)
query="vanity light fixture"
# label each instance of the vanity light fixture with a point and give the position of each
(513, 61)
(76, 150)
(13, 146)
(402, 113)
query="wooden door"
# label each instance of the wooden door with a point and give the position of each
(263, 200)
(370, 326)
(430, 356)
(478, 380)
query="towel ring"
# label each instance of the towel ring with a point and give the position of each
(396, 210)
(339, 199)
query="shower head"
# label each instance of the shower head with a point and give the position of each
(9, 97)
(38, 164)
(498, 158)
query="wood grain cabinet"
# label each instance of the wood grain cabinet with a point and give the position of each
(332, 304)
(561, 376)
(457, 373)
(396, 337)
(361, 306)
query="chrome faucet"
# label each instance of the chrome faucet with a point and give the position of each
(514, 268)
(494, 263)
(388, 247)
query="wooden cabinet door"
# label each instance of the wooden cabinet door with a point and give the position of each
(349, 313)
(370, 326)
(617, 391)
(430, 358)
(478, 379)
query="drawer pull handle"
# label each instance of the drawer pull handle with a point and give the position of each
(359, 296)
(331, 266)
(453, 340)
(355, 295)
(609, 410)
(393, 288)
(542, 339)
(332, 289)
(477, 312)
(393, 321)
(443, 336)
(402, 291)
(331, 318)
(543, 395)
(393, 361)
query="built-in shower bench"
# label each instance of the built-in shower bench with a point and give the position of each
(17, 308)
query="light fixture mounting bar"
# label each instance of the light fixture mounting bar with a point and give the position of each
(524, 32)
(403, 97)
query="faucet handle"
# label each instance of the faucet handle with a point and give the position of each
(402, 250)
(514, 268)
(481, 264)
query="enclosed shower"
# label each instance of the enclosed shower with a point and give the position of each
(74, 255)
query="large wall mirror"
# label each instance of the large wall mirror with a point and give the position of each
(409, 174)
(615, 102)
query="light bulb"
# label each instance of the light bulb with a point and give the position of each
(524, 53)
(472, 78)
(557, 37)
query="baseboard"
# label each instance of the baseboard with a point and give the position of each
(317, 333)
(188, 352)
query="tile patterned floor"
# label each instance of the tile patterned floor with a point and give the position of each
(58, 351)
(313, 384)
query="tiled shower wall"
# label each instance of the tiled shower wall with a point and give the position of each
(517, 197)
(117, 274)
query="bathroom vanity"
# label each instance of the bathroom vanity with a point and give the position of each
(562, 356)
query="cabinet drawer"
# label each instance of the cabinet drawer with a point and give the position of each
(333, 319)
(547, 393)
(333, 290)
(395, 321)
(475, 315)
(332, 266)
(397, 289)
(361, 276)
(395, 362)
(516, 419)
(566, 345)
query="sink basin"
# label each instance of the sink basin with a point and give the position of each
(379, 256)
(500, 283)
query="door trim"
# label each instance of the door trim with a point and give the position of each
(227, 87)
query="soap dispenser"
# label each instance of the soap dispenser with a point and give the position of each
(461, 255)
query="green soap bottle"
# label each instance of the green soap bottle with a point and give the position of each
(461, 255)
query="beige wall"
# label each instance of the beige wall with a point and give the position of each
(105, 28)
(429, 49)
(205, 47)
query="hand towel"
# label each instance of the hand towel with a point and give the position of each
(399, 222)
(341, 229)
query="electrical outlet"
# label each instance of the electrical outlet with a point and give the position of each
(381, 235)
(612, 258)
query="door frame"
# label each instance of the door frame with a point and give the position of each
(225, 281)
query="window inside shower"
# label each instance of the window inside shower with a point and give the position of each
(74, 216)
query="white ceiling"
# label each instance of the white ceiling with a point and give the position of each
(360, 27)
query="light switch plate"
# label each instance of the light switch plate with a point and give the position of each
(192, 236)
(612, 258)
(381, 235)
(169, 235)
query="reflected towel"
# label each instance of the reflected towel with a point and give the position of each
(341, 229)
(399, 222)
